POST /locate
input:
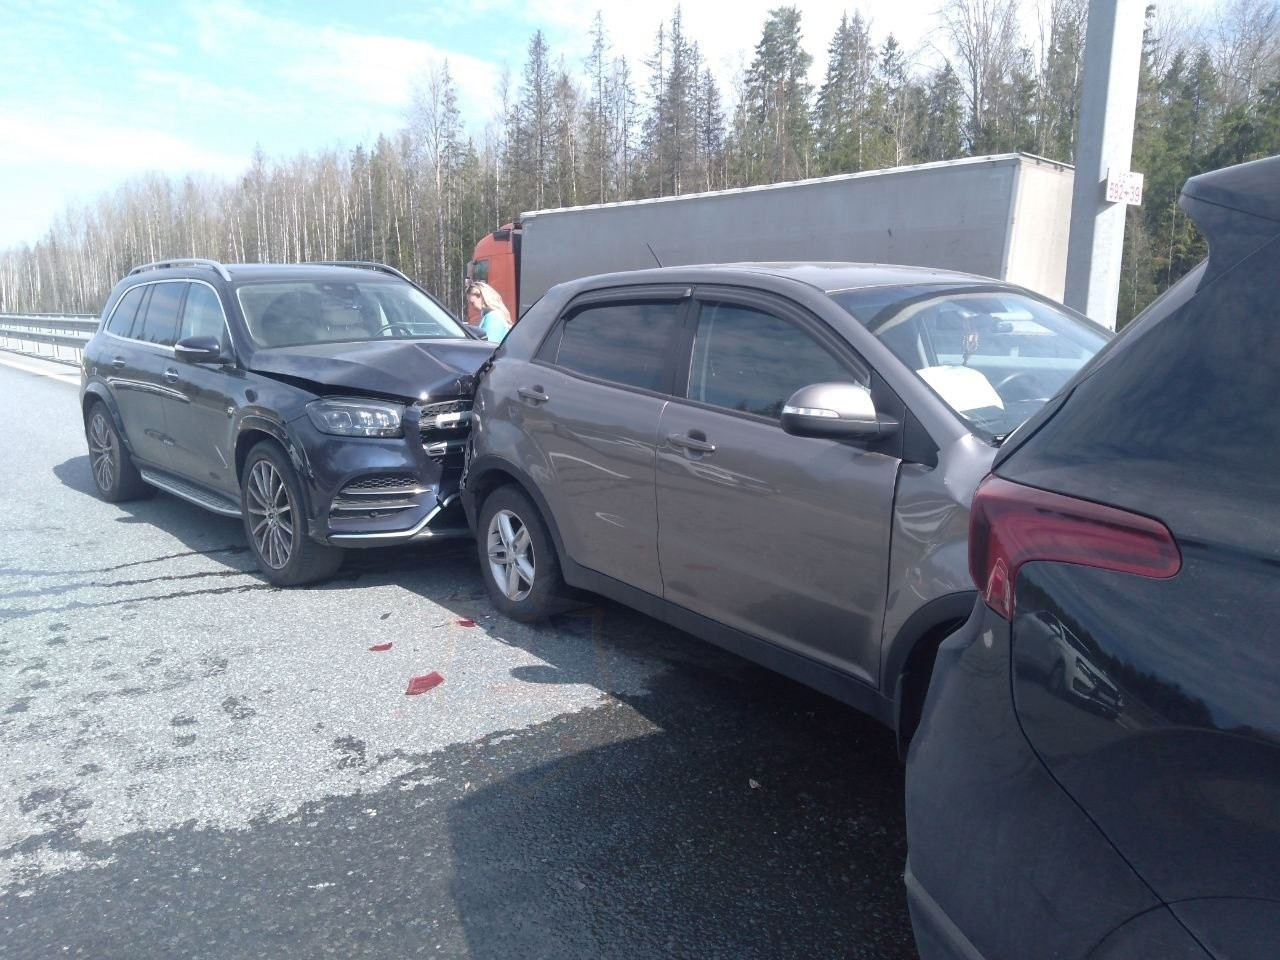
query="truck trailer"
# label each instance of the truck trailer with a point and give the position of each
(1003, 216)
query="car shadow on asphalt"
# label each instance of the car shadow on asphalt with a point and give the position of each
(223, 540)
(717, 810)
(713, 810)
(722, 812)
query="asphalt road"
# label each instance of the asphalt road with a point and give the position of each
(197, 764)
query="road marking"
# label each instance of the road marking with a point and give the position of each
(41, 368)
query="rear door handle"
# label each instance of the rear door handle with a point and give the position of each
(691, 443)
(171, 375)
(533, 393)
(118, 362)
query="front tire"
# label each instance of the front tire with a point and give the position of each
(114, 476)
(518, 558)
(275, 522)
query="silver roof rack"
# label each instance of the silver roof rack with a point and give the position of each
(366, 265)
(183, 262)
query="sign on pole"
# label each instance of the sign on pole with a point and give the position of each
(1124, 186)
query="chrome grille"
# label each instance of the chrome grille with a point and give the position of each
(444, 428)
(446, 419)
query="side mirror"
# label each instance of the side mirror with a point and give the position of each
(199, 350)
(838, 411)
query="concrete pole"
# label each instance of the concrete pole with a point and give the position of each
(1108, 101)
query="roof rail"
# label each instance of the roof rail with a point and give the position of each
(365, 265)
(183, 262)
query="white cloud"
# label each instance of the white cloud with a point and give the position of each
(36, 141)
(341, 73)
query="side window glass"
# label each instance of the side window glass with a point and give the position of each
(751, 361)
(160, 325)
(625, 343)
(121, 321)
(480, 270)
(202, 315)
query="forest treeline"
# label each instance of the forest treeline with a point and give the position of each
(606, 129)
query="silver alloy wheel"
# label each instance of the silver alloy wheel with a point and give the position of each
(270, 515)
(511, 560)
(103, 450)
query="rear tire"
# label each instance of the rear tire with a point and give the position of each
(518, 558)
(114, 476)
(275, 521)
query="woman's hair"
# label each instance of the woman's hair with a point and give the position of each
(490, 297)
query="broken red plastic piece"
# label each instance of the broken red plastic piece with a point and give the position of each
(424, 683)
(466, 622)
(381, 647)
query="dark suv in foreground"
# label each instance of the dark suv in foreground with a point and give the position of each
(326, 404)
(776, 457)
(1126, 807)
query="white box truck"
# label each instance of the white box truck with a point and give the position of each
(1004, 216)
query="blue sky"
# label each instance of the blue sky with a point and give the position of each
(94, 92)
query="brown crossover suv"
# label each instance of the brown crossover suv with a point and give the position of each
(776, 457)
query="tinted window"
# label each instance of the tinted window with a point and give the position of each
(1187, 404)
(202, 315)
(160, 324)
(748, 360)
(625, 343)
(121, 321)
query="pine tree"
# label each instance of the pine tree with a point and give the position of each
(776, 130)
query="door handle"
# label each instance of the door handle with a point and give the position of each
(171, 375)
(533, 393)
(118, 362)
(691, 443)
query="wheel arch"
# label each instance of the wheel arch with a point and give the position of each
(487, 474)
(909, 663)
(97, 393)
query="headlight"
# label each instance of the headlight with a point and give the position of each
(357, 418)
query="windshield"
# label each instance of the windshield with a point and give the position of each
(993, 355)
(298, 312)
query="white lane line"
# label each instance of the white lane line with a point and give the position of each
(42, 368)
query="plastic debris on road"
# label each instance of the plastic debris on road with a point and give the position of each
(380, 647)
(423, 683)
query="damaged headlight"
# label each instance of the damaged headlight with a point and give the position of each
(357, 418)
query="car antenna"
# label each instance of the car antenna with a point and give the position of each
(655, 256)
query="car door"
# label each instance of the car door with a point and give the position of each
(590, 403)
(782, 537)
(138, 369)
(200, 409)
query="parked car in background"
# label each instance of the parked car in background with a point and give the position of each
(777, 458)
(325, 404)
(1133, 812)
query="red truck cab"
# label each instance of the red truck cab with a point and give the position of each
(496, 261)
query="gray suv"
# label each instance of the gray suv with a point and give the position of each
(778, 458)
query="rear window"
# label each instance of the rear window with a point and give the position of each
(993, 355)
(121, 321)
(1186, 401)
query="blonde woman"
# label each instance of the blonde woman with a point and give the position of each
(494, 319)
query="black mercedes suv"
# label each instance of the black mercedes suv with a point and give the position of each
(326, 404)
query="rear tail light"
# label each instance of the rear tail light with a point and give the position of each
(1012, 524)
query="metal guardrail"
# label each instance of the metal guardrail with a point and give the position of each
(64, 335)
